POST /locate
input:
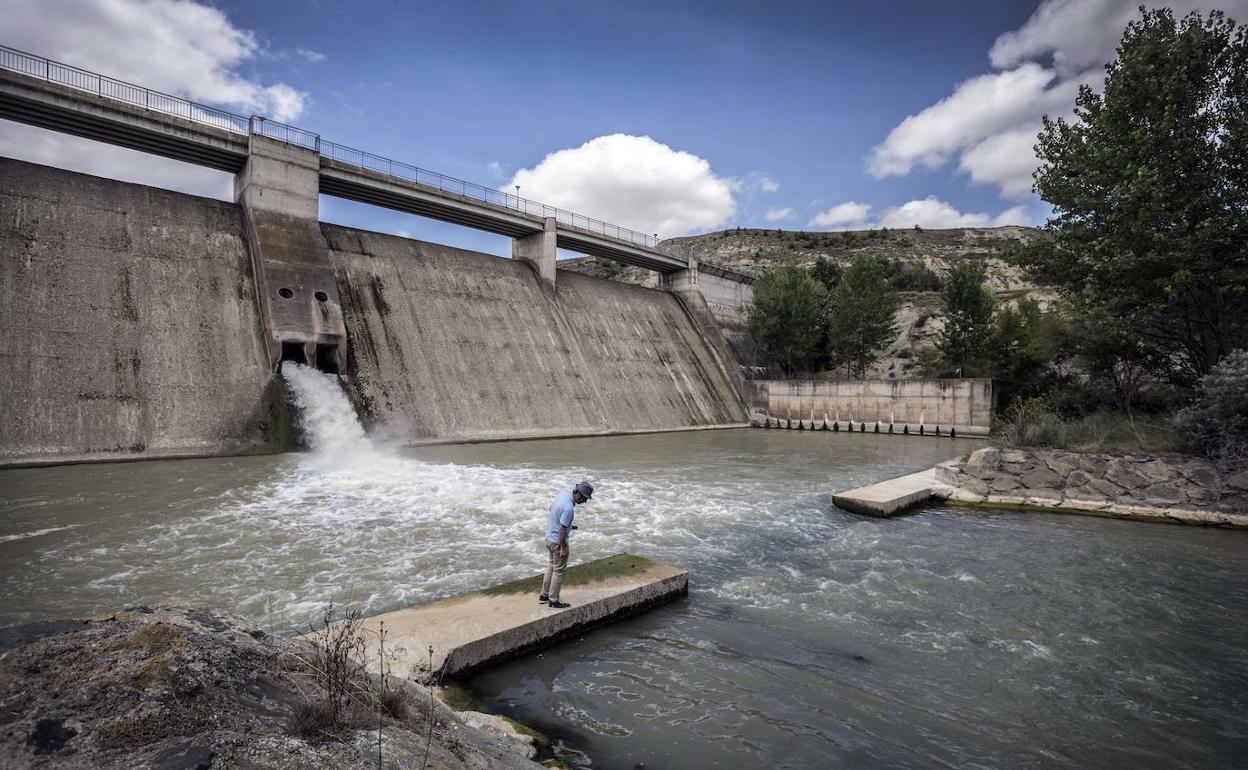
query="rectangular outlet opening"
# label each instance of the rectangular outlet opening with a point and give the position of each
(293, 351)
(327, 358)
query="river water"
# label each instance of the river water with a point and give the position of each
(810, 638)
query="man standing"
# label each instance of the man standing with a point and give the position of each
(558, 530)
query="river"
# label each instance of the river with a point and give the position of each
(810, 638)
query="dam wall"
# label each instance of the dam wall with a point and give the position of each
(134, 328)
(446, 344)
(966, 405)
(130, 323)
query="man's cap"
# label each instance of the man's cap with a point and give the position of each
(586, 489)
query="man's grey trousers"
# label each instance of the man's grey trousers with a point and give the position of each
(554, 572)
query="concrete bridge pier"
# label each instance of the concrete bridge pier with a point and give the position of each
(538, 250)
(278, 190)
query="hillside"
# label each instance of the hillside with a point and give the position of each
(918, 318)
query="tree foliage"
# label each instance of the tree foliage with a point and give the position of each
(1216, 423)
(969, 307)
(786, 319)
(860, 315)
(1148, 188)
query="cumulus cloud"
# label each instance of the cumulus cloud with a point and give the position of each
(632, 181)
(930, 212)
(842, 215)
(495, 167)
(989, 122)
(177, 46)
(777, 215)
(767, 184)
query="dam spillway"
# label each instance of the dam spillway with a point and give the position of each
(136, 328)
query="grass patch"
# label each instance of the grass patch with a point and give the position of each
(590, 572)
(457, 697)
(1108, 432)
(540, 738)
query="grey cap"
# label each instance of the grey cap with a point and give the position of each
(586, 489)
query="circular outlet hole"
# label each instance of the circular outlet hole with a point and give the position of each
(285, 293)
(321, 296)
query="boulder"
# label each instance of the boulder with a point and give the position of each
(1102, 488)
(1041, 477)
(1163, 494)
(1061, 463)
(1077, 478)
(1094, 465)
(1125, 475)
(1015, 456)
(988, 457)
(1238, 480)
(1003, 484)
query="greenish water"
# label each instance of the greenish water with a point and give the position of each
(810, 638)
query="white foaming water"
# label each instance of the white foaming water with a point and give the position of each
(326, 414)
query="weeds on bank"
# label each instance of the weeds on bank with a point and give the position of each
(340, 695)
(1032, 422)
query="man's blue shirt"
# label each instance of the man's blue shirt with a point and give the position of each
(562, 511)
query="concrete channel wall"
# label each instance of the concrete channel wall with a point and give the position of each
(132, 329)
(447, 344)
(963, 404)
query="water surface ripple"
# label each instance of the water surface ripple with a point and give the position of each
(811, 637)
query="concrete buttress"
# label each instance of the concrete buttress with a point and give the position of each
(278, 191)
(538, 250)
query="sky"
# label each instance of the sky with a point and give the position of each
(667, 117)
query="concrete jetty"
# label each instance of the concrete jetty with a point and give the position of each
(894, 496)
(490, 626)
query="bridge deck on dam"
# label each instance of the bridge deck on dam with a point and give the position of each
(50, 95)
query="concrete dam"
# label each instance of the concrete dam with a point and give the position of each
(143, 323)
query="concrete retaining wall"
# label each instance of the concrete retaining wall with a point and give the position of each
(965, 404)
(447, 344)
(130, 323)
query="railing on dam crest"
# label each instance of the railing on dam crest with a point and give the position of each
(178, 107)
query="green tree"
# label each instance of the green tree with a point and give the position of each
(786, 320)
(1025, 346)
(1148, 186)
(860, 315)
(826, 272)
(968, 320)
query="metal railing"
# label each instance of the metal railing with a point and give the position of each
(449, 184)
(100, 85)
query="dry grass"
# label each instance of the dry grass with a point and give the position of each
(1031, 423)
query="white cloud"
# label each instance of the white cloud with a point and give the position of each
(989, 122)
(178, 46)
(632, 181)
(495, 167)
(310, 56)
(930, 212)
(768, 184)
(843, 215)
(934, 213)
(776, 215)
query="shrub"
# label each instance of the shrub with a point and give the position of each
(1216, 423)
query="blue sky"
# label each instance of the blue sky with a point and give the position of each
(780, 114)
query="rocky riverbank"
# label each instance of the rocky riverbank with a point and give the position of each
(191, 689)
(1142, 486)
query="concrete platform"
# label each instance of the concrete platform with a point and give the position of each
(490, 626)
(894, 496)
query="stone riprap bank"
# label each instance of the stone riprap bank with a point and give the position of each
(142, 323)
(1143, 486)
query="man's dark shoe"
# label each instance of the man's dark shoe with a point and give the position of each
(558, 605)
(543, 599)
